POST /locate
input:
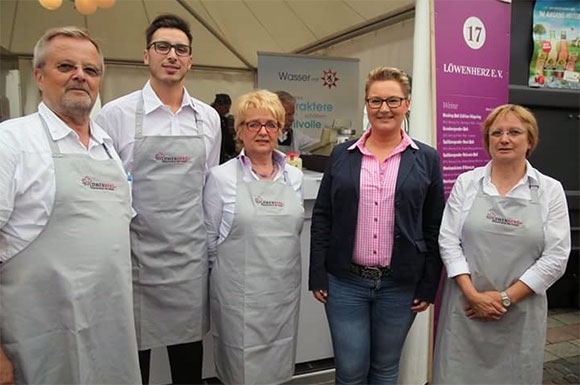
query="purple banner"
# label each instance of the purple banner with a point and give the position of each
(472, 49)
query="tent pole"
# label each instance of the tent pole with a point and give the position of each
(390, 18)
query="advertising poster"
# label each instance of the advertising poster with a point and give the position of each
(472, 50)
(554, 62)
(325, 88)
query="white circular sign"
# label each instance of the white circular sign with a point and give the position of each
(474, 32)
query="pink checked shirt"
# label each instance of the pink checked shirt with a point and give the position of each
(376, 206)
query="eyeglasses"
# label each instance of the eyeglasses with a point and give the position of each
(90, 71)
(511, 133)
(163, 48)
(392, 102)
(255, 126)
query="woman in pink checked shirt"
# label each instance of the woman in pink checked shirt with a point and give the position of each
(374, 257)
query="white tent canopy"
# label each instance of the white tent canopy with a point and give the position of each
(227, 36)
(227, 33)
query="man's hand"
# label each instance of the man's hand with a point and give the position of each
(6, 370)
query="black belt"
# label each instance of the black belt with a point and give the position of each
(370, 272)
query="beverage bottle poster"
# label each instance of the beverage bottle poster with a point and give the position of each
(472, 50)
(556, 38)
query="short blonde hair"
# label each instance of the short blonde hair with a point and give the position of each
(523, 114)
(39, 55)
(388, 73)
(262, 99)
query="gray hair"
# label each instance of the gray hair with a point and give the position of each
(39, 58)
(285, 97)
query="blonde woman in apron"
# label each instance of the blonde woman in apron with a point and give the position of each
(505, 239)
(254, 216)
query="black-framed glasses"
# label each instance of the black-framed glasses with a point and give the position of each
(392, 102)
(163, 48)
(255, 126)
(90, 71)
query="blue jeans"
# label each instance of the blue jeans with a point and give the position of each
(369, 321)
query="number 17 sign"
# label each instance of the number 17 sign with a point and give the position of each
(472, 48)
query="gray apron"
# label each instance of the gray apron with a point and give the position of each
(66, 298)
(502, 237)
(168, 238)
(255, 285)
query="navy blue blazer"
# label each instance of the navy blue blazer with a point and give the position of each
(419, 203)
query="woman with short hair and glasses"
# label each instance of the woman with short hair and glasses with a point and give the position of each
(254, 216)
(505, 239)
(374, 257)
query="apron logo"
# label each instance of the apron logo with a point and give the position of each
(259, 200)
(160, 157)
(494, 218)
(88, 181)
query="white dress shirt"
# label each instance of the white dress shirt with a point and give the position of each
(554, 210)
(27, 180)
(118, 119)
(220, 191)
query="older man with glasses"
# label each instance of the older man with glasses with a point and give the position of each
(65, 269)
(167, 141)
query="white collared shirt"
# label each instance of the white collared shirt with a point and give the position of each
(554, 210)
(27, 181)
(118, 119)
(220, 191)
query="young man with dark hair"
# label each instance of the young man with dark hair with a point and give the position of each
(170, 22)
(167, 141)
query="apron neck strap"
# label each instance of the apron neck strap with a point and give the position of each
(533, 189)
(51, 142)
(140, 113)
(139, 117)
(240, 173)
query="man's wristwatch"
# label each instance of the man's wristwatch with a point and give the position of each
(505, 300)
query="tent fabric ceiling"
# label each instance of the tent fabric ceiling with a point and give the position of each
(245, 26)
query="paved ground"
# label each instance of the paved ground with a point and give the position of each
(561, 355)
(562, 352)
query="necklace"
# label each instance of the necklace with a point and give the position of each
(267, 176)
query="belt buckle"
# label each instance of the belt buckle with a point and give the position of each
(372, 272)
